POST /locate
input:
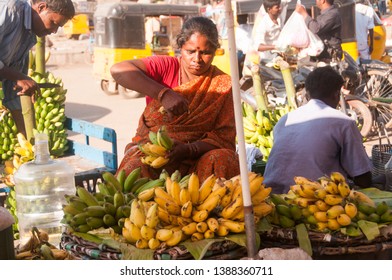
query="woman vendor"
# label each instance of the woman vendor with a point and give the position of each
(197, 105)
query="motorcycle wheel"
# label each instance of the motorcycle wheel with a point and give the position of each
(127, 93)
(105, 88)
(362, 115)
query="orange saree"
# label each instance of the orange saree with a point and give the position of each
(210, 118)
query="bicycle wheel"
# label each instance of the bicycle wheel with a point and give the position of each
(384, 114)
(362, 115)
(379, 83)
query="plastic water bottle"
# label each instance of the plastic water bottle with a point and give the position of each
(388, 175)
(40, 187)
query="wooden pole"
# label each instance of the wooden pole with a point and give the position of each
(248, 207)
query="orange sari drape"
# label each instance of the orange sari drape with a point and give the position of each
(210, 119)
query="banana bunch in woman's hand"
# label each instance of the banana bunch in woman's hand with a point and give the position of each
(155, 151)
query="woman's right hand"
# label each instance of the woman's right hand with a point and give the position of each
(174, 103)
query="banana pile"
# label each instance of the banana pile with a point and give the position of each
(258, 126)
(163, 212)
(50, 113)
(327, 204)
(8, 131)
(185, 209)
(155, 150)
(110, 206)
(37, 247)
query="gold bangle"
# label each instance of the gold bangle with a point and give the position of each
(162, 93)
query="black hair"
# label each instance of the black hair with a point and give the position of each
(323, 82)
(330, 1)
(62, 7)
(201, 25)
(268, 4)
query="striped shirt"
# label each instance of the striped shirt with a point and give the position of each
(16, 39)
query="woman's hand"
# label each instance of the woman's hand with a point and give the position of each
(174, 103)
(179, 152)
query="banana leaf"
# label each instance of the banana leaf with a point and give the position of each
(303, 239)
(378, 196)
(370, 229)
(198, 249)
(130, 252)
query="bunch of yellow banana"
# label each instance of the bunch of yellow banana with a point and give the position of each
(155, 151)
(258, 126)
(140, 227)
(8, 133)
(50, 112)
(327, 204)
(38, 248)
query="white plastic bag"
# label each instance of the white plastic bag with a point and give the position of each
(316, 45)
(294, 33)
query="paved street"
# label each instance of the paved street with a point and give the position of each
(85, 99)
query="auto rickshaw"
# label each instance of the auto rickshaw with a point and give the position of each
(76, 26)
(120, 34)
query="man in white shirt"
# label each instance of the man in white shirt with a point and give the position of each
(364, 24)
(268, 30)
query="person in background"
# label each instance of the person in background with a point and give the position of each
(327, 26)
(317, 139)
(268, 31)
(192, 98)
(20, 23)
(242, 39)
(382, 7)
(364, 24)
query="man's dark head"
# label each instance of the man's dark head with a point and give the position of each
(268, 4)
(323, 83)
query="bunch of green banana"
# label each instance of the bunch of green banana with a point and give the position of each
(50, 113)
(258, 126)
(111, 204)
(10, 204)
(155, 151)
(8, 133)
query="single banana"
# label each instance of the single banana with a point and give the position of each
(152, 218)
(212, 224)
(206, 188)
(147, 232)
(186, 209)
(164, 234)
(233, 226)
(201, 227)
(137, 215)
(333, 199)
(335, 211)
(337, 177)
(200, 216)
(193, 187)
(190, 228)
(153, 243)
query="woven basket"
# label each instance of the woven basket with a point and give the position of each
(82, 249)
(380, 156)
(326, 245)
